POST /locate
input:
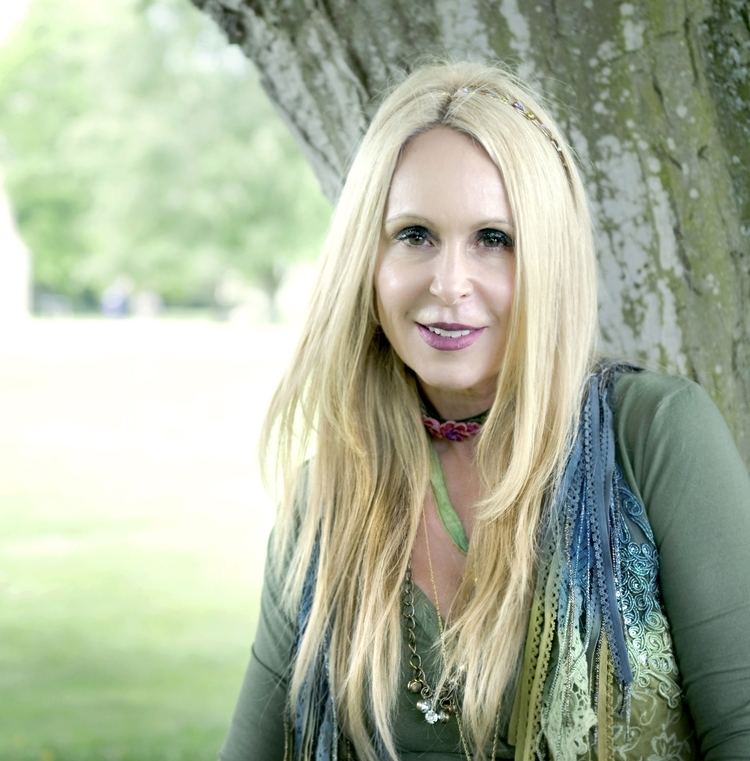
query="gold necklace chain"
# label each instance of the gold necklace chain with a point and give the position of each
(443, 651)
(435, 708)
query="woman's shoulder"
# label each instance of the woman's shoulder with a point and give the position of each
(648, 403)
(653, 416)
(669, 431)
(638, 390)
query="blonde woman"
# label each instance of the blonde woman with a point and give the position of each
(490, 545)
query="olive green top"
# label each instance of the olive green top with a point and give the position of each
(680, 460)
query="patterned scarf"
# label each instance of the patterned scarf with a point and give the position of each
(596, 548)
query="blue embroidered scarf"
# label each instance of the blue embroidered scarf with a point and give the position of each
(577, 644)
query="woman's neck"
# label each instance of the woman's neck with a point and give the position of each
(455, 405)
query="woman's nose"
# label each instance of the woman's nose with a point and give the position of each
(451, 280)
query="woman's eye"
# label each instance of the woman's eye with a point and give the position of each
(495, 239)
(416, 235)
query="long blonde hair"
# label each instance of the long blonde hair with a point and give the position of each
(349, 399)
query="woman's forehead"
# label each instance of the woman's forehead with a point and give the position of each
(445, 172)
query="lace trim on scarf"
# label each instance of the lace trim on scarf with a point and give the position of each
(597, 637)
(598, 641)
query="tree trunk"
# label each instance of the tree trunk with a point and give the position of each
(655, 98)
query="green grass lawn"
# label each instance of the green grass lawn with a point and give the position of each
(132, 533)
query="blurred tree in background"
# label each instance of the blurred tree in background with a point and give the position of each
(137, 144)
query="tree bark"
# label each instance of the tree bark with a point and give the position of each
(655, 98)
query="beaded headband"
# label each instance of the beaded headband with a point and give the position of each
(527, 113)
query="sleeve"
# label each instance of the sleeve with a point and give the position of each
(257, 728)
(696, 491)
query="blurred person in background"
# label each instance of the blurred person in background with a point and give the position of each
(115, 300)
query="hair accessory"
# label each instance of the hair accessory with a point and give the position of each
(531, 116)
(453, 430)
(534, 119)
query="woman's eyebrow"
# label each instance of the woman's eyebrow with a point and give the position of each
(419, 218)
(409, 216)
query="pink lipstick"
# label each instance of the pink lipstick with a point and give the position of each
(445, 336)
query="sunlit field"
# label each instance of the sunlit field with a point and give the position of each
(132, 532)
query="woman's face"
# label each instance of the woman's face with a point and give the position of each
(445, 275)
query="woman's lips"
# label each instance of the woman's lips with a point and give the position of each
(445, 336)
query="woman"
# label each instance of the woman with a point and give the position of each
(466, 566)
